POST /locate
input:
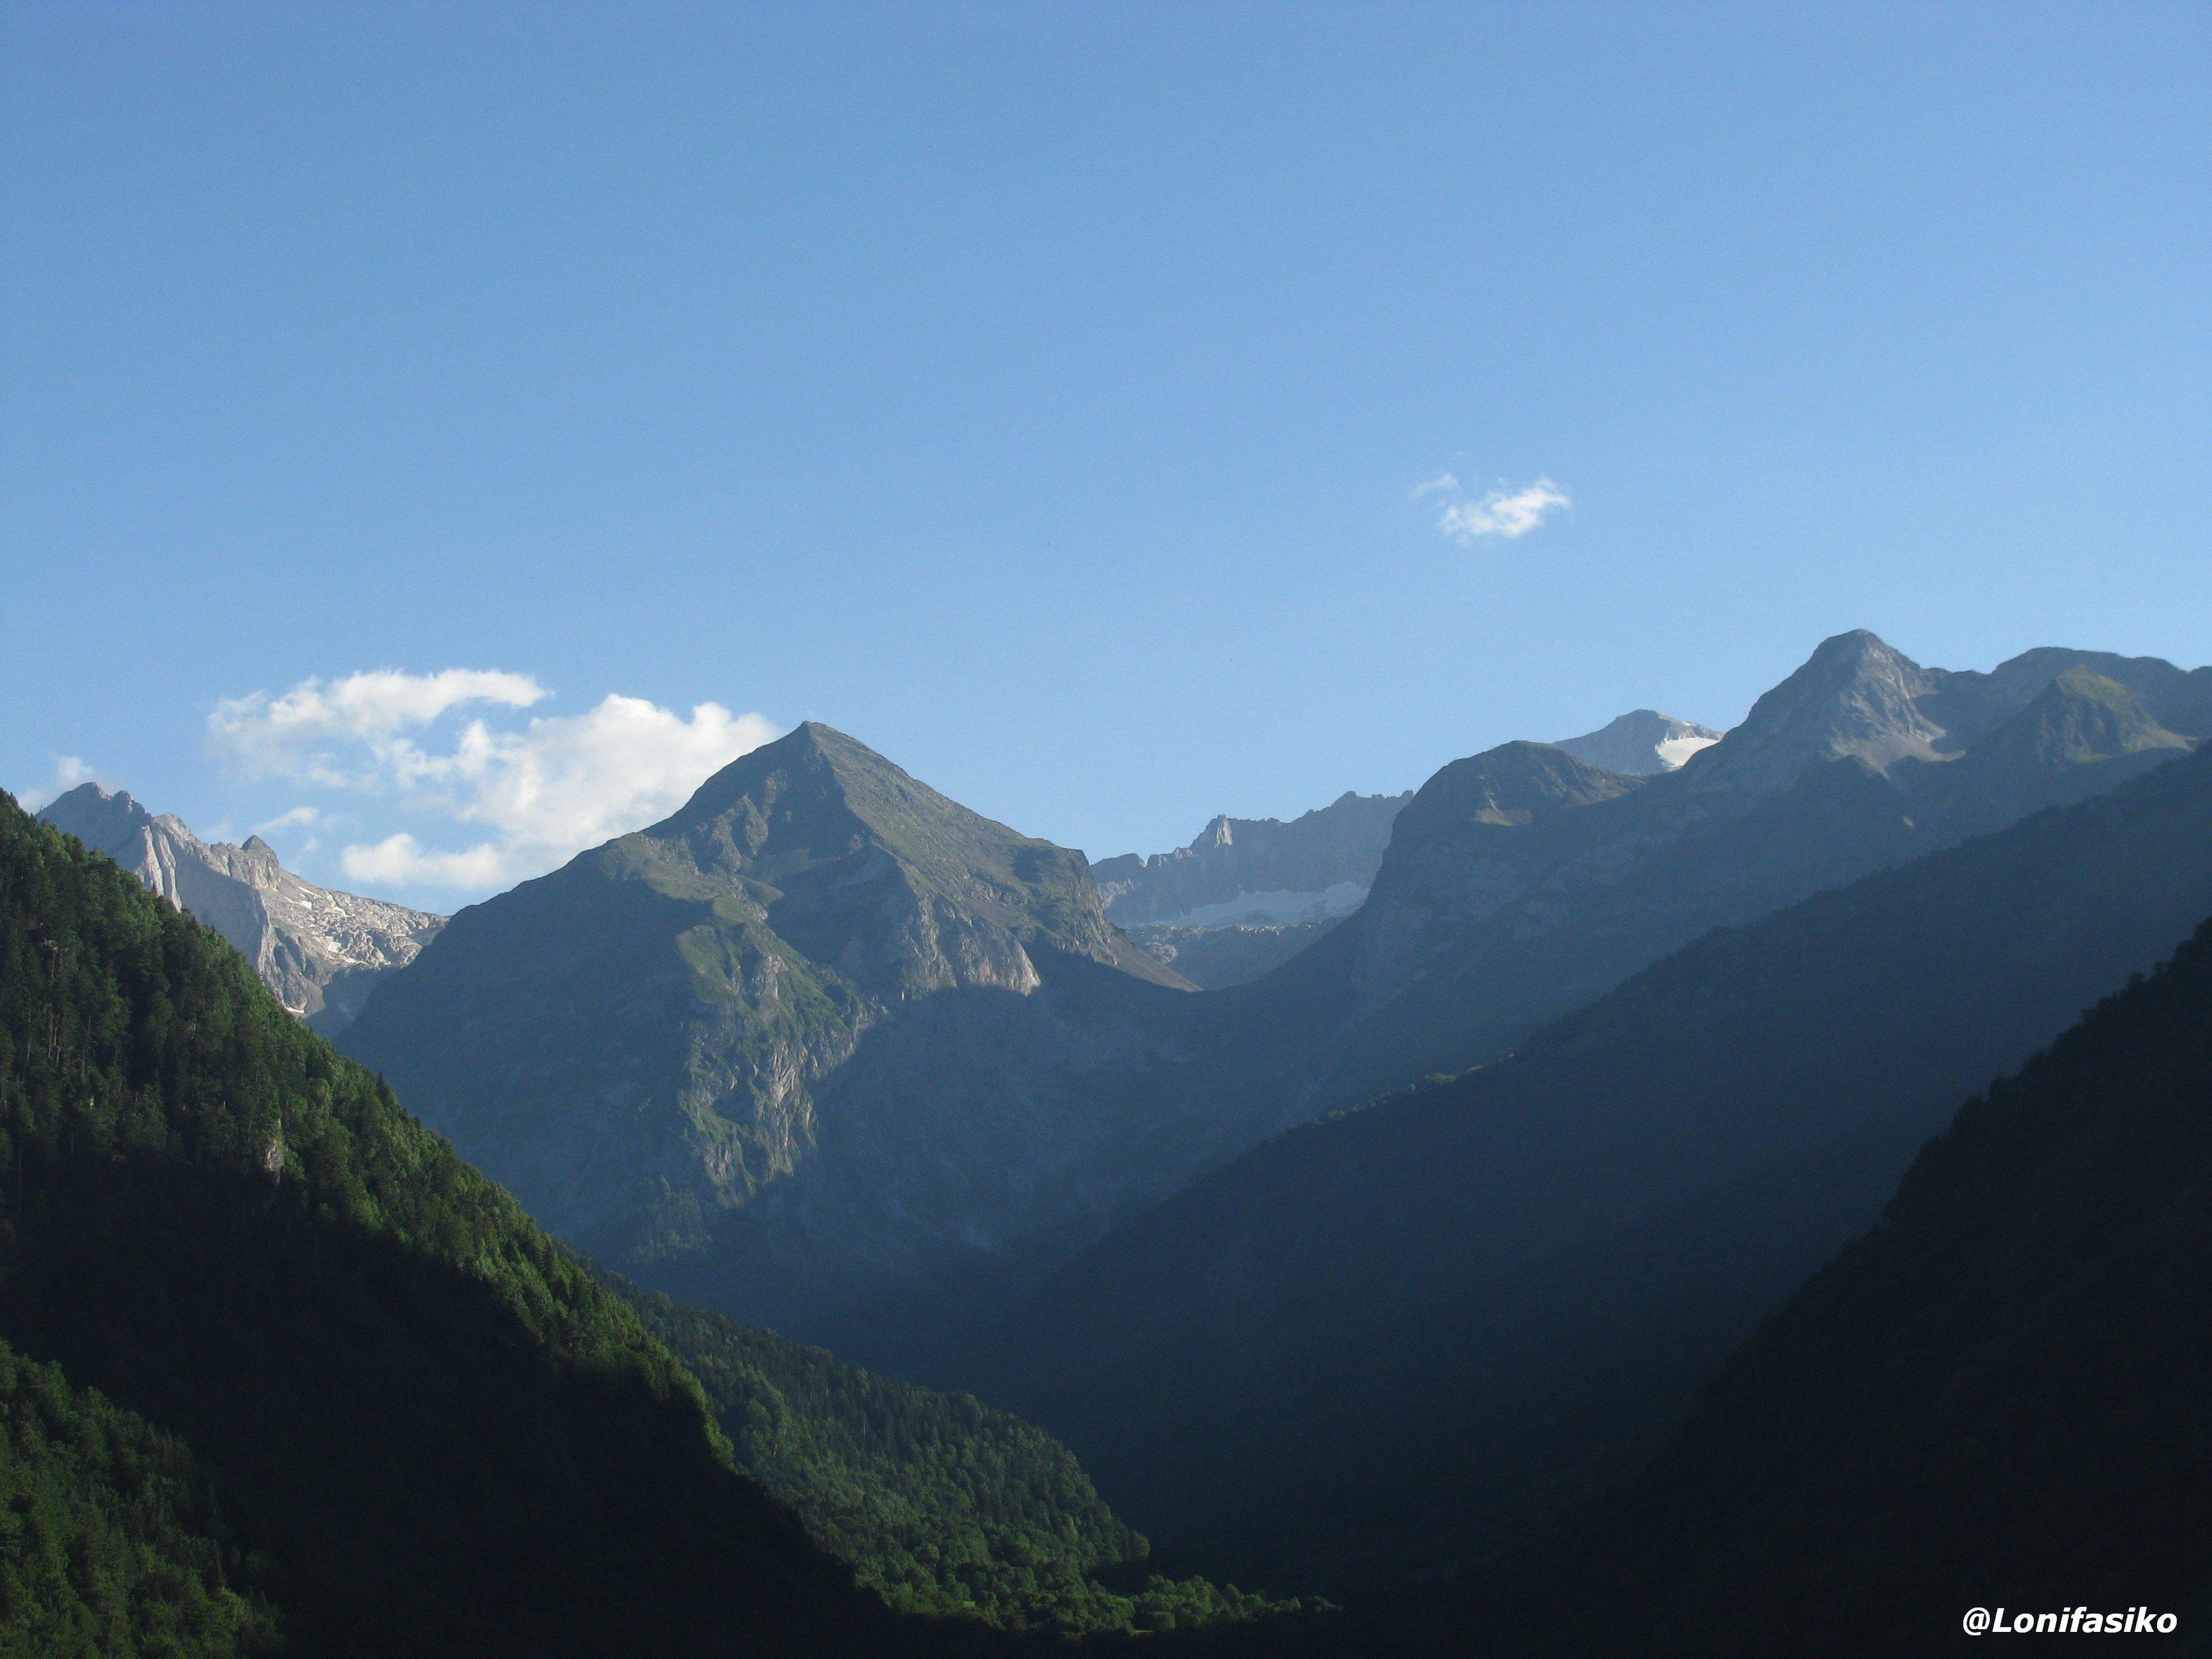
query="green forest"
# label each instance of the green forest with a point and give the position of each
(303, 1376)
(305, 1382)
(942, 1503)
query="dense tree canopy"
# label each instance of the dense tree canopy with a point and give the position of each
(428, 1430)
(945, 1505)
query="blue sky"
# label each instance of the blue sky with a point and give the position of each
(1045, 394)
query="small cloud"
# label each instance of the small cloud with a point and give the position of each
(299, 817)
(69, 770)
(1502, 510)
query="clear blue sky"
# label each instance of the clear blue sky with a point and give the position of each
(1040, 392)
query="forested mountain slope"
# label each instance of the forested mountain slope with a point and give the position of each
(945, 1505)
(1379, 1343)
(2002, 1396)
(381, 1412)
(319, 952)
(113, 1541)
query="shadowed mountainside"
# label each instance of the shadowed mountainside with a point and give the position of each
(2000, 1397)
(1401, 1333)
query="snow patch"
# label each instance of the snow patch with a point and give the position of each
(1279, 908)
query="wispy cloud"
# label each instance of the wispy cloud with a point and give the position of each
(1501, 510)
(69, 770)
(544, 790)
(299, 817)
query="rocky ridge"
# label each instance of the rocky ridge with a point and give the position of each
(1247, 894)
(1522, 883)
(319, 950)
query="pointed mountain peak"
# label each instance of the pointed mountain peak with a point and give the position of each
(812, 737)
(1854, 645)
(1641, 743)
(1855, 696)
(866, 868)
(812, 772)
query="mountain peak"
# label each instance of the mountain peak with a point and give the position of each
(867, 869)
(2081, 717)
(319, 950)
(1641, 743)
(825, 740)
(820, 981)
(811, 768)
(1857, 697)
(96, 815)
(1511, 785)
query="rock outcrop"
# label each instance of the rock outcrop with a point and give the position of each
(321, 951)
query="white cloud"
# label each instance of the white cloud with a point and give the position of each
(401, 861)
(544, 791)
(1499, 511)
(69, 770)
(309, 731)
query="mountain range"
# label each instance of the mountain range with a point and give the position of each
(1249, 894)
(1407, 1270)
(278, 1373)
(828, 1051)
(1521, 884)
(319, 950)
(1406, 1333)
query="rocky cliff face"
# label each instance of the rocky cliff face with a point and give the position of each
(1641, 744)
(319, 950)
(822, 1035)
(1256, 872)
(1249, 894)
